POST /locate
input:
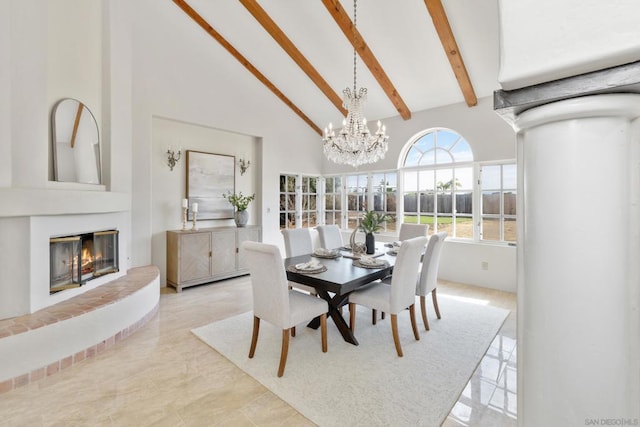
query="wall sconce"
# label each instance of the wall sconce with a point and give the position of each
(173, 157)
(244, 165)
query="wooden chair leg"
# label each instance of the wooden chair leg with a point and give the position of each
(394, 330)
(293, 331)
(284, 352)
(435, 303)
(254, 338)
(414, 325)
(423, 310)
(352, 316)
(323, 332)
(374, 316)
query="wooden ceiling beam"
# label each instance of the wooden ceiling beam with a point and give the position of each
(244, 61)
(441, 23)
(355, 38)
(285, 43)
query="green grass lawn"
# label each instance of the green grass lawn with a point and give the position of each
(429, 220)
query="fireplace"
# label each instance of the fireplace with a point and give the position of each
(76, 259)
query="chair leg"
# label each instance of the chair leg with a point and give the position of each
(352, 316)
(435, 303)
(423, 309)
(414, 325)
(374, 316)
(394, 330)
(284, 352)
(323, 331)
(293, 331)
(254, 338)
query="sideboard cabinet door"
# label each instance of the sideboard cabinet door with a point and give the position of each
(246, 234)
(201, 256)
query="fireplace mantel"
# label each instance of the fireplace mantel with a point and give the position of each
(61, 200)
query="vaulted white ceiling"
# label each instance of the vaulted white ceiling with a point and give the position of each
(400, 34)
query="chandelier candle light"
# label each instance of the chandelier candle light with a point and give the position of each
(355, 145)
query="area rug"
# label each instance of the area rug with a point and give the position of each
(368, 384)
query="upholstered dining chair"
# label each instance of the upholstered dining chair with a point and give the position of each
(408, 231)
(330, 237)
(274, 302)
(428, 278)
(397, 297)
(297, 241)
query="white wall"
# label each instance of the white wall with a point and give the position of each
(544, 40)
(54, 51)
(169, 187)
(177, 76)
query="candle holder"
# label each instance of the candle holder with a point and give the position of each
(194, 227)
(184, 219)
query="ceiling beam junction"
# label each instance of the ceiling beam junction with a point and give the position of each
(244, 61)
(355, 38)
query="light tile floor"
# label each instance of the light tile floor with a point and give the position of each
(164, 376)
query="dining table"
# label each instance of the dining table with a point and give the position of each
(343, 274)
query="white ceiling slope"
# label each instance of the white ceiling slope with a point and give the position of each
(400, 33)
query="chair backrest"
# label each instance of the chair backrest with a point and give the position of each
(330, 237)
(408, 231)
(268, 282)
(405, 273)
(428, 279)
(297, 241)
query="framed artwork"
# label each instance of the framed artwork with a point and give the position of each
(209, 176)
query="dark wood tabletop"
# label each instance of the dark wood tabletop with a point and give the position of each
(340, 278)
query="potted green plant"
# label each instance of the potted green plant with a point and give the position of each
(370, 223)
(240, 202)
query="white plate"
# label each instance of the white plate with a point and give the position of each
(305, 266)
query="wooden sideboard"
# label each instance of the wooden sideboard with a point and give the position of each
(207, 255)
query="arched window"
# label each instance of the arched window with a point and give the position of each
(437, 171)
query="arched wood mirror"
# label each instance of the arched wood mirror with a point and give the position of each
(76, 143)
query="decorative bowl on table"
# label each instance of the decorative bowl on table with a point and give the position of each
(326, 253)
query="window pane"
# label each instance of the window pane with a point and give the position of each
(464, 203)
(291, 184)
(410, 202)
(283, 202)
(444, 223)
(444, 180)
(411, 181)
(490, 229)
(427, 202)
(491, 202)
(464, 176)
(337, 181)
(413, 157)
(443, 157)
(446, 138)
(328, 202)
(426, 142)
(427, 180)
(509, 176)
(411, 219)
(510, 203)
(428, 158)
(445, 203)
(462, 151)
(464, 227)
(283, 183)
(328, 185)
(510, 230)
(491, 177)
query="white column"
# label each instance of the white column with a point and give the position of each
(578, 262)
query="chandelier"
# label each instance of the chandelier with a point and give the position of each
(355, 145)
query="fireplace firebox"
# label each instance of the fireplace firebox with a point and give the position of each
(76, 259)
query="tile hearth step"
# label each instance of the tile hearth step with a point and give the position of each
(112, 312)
